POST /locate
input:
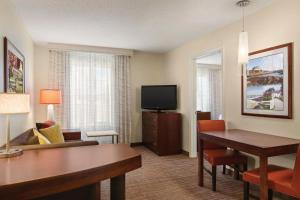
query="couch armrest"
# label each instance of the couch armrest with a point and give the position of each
(71, 134)
(60, 145)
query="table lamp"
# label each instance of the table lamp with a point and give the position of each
(12, 104)
(50, 97)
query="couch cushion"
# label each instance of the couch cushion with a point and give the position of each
(274, 172)
(33, 140)
(224, 157)
(26, 138)
(42, 139)
(60, 145)
(45, 124)
(53, 134)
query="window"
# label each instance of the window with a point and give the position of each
(91, 91)
(95, 91)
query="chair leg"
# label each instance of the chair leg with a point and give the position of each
(214, 177)
(245, 167)
(270, 194)
(246, 190)
(236, 172)
(224, 169)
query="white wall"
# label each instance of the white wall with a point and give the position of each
(12, 28)
(274, 25)
(145, 69)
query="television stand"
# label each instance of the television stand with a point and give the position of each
(162, 132)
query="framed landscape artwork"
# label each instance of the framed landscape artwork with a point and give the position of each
(267, 83)
(14, 69)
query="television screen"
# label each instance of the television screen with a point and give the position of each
(159, 97)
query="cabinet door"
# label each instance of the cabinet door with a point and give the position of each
(150, 129)
(169, 133)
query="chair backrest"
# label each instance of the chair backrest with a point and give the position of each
(296, 175)
(211, 125)
(203, 115)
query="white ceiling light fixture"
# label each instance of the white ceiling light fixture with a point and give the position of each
(243, 38)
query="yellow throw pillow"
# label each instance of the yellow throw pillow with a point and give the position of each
(42, 139)
(53, 134)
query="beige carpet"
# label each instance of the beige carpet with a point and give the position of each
(173, 178)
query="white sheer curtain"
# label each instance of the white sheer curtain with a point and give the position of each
(59, 79)
(209, 90)
(95, 91)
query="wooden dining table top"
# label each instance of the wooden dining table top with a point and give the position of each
(252, 142)
(82, 165)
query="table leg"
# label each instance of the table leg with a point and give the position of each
(200, 162)
(96, 191)
(263, 162)
(116, 139)
(89, 192)
(117, 188)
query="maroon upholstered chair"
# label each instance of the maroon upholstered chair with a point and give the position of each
(217, 154)
(280, 179)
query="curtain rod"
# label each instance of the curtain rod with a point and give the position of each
(90, 49)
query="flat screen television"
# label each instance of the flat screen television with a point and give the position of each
(159, 97)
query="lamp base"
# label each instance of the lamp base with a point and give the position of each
(50, 112)
(10, 153)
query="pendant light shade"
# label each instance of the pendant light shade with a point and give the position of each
(243, 38)
(243, 48)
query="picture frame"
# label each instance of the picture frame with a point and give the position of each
(14, 68)
(267, 83)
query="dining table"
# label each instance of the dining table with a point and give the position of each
(261, 145)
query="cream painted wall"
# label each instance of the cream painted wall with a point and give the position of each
(12, 27)
(145, 69)
(274, 25)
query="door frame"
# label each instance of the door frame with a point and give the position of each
(193, 99)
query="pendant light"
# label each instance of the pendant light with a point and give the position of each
(243, 38)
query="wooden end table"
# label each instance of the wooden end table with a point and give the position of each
(113, 135)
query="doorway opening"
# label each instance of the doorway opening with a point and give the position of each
(207, 87)
(209, 84)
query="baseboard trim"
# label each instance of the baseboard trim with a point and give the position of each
(185, 152)
(135, 144)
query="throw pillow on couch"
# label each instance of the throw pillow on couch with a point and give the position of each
(53, 134)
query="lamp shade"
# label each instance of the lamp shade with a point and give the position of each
(14, 103)
(243, 48)
(50, 96)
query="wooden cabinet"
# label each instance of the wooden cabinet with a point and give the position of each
(162, 132)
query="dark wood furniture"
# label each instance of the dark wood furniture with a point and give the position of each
(217, 155)
(71, 134)
(280, 179)
(67, 173)
(162, 132)
(261, 145)
(204, 116)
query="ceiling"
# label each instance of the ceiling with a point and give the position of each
(147, 25)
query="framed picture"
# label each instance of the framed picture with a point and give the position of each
(14, 69)
(267, 83)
